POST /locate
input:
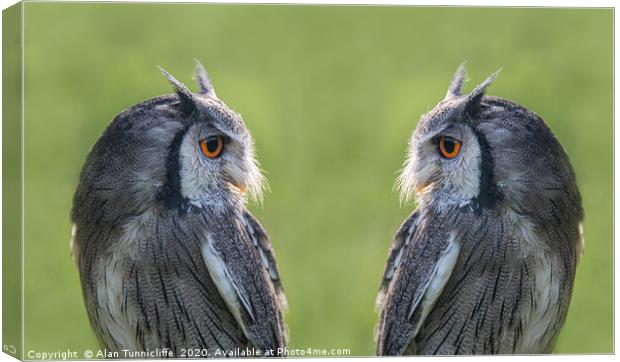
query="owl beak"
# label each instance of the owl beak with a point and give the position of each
(235, 183)
(239, 188)
(421, 188)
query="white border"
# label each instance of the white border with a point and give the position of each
(479, 3)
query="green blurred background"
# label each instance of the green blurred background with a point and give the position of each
(331, 95)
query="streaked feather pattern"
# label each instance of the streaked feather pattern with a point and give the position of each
(493, 301)
(168, 255)
(167, 297)
(486, 263)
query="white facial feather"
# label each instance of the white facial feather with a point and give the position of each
(247, 173)
(463, 175)
(203, 180)
(426, 171)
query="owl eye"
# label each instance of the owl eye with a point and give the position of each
(211, 146)
(449, 147)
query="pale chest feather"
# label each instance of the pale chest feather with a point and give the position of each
(541, 317)
(117, 318)
(542, 312)
(114, 320)
(123, 297)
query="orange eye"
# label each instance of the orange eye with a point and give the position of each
(211, 146)
(449, 147)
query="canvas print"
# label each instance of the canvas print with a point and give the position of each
(220, 180)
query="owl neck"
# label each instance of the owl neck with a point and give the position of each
(225, 201)
(441, 202)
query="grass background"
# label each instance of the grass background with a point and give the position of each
(331, 95)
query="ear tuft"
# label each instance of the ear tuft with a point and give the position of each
(185, 95)
(472, 107)
(204, 82)
(456, 84)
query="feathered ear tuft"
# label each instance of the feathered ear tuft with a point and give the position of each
(204, 82)
(472, 107)
(458, 79)
(185, 95)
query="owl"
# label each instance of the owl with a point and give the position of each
(486, 262)
(168, 255)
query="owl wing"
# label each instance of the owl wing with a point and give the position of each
(238, 269)
(261, 241)
(428, 258)
(401, 240)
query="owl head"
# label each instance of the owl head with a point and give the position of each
(170, 152)
(215, 149)
(477, 151)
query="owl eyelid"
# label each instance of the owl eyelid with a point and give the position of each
(225, 138)
(435, 140)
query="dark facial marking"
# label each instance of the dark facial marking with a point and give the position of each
(170, 192)
(489, 193)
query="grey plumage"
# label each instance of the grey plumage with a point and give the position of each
(167, 253)
(487, 261)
